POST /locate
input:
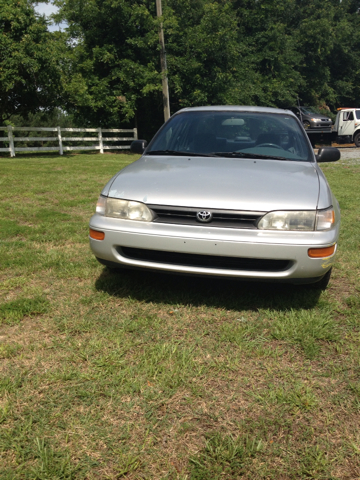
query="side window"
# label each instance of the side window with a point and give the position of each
(357, 112)
(348, 116)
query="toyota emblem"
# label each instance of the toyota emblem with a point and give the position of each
(204, 216)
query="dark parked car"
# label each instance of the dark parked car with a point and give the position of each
(311, 119)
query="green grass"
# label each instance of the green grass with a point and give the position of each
(141, 375)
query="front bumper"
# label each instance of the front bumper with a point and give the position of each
(217, 242)
(320, 125)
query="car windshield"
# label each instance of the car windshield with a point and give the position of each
(309, 111)
(232, 134)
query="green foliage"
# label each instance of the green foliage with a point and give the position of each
(16, 310)
(305, 328)
(52, 464)
(223, 457)
(54, 118)
(204, 56)
(294, 396)
(105, 71)
(270, 42)
(30, 74)
(115, 56)
(314, 463)
(258, 53)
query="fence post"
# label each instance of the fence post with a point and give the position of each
(61, 152)
(11, 141)
(135, 134)
(101, 145)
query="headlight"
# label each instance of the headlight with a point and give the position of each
(303, 220)
(126, 209)
(316, 119)
(288, 221)
(101, 205)
(325, 219)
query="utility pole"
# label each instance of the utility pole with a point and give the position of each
(165, 85)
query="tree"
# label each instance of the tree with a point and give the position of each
(268, 30)
(344, 61)
(114, 75)
(263, 52)
(30, 74)
(203, 53)
(115, 72)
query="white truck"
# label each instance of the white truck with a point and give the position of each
(345, 130)
(347, 126)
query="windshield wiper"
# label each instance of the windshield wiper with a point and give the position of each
(180, 154)
(247, 155)
(214, 154)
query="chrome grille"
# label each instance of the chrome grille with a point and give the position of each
(220, 218)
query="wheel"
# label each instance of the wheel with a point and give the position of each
(306, 124)
(269, 145)
(357, 139)
(323, 283)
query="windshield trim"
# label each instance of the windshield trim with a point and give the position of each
(179, 153)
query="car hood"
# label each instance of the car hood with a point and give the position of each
(221, 183)
(316, 115)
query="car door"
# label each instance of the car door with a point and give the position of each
(347, 123)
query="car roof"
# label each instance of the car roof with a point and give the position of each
(235, 108)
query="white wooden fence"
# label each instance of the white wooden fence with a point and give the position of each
(61, 139)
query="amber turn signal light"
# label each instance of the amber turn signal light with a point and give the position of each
(321, 252)
(96, 235)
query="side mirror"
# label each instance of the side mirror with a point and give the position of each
(138, 146)
(328, 154)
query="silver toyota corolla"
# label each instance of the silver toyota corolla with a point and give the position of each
(222, 191)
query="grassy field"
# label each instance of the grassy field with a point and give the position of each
(147, 376)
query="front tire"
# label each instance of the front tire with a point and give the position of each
(306, 124)
(357, 139)
(323, 283)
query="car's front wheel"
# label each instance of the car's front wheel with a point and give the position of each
(357, 139)
(306, 124)
(323, 283)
